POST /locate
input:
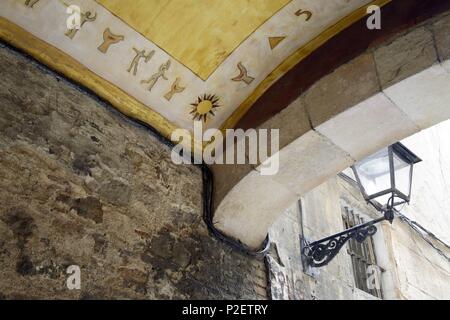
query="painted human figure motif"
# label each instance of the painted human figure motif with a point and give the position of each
(85, 17)
(140, 54)
(160, 74)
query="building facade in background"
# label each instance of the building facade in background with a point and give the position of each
(399, 262)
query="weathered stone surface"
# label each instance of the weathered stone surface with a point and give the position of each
(424, 97)
(292, 121)
(353, 129)
(82, 185)
(406, 64)
(226, 177)
(346, 86)
(405, 56)
(441, 30)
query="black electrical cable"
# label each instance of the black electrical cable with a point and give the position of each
(421, 230)
(208, 218)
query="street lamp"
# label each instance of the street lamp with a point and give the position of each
(385, 180)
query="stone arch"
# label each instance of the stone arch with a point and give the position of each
(384, 95)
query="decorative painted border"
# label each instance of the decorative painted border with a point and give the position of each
(63, 63)
(296, 58)
(75, 71)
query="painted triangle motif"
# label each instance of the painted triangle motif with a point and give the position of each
(275, 41)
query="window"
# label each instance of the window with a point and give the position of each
(363, 256)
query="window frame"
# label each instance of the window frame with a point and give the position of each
(362, 255)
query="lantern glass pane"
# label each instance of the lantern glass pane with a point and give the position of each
(402, 175)
(374, 173)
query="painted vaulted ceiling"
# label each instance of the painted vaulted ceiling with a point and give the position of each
(170, 62)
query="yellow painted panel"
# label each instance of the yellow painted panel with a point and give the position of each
(198, 33)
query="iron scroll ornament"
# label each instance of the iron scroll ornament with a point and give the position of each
(321, 252)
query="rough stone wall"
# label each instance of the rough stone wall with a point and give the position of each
(82, 185)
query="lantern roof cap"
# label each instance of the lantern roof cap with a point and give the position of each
(405, 153)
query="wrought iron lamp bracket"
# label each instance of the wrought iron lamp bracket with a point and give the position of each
(321, 252)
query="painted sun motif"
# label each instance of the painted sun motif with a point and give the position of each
(204, 106)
